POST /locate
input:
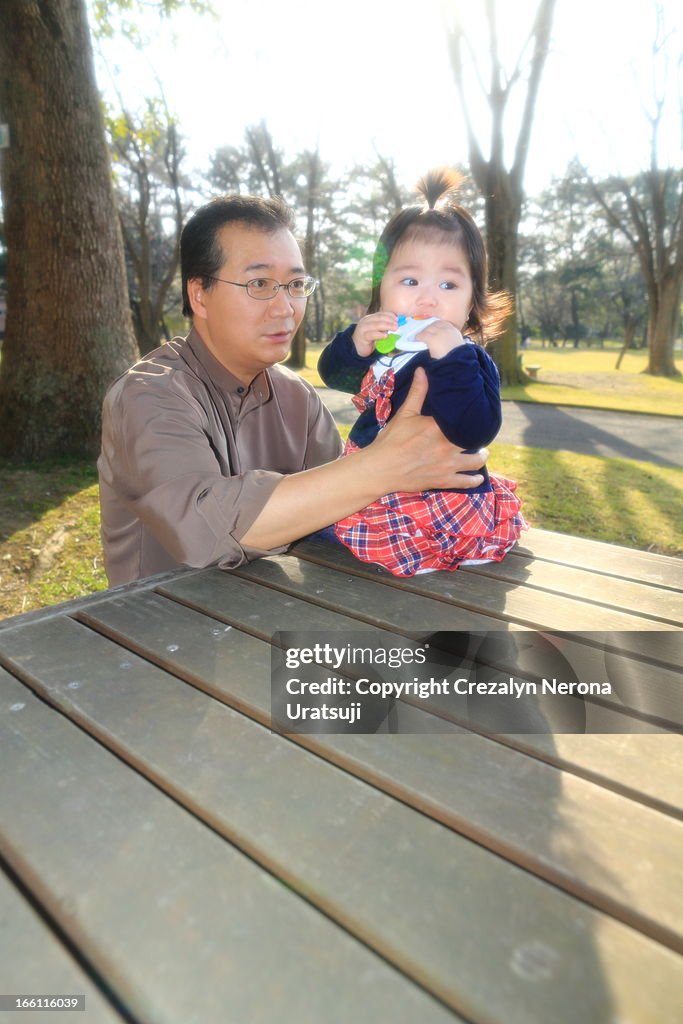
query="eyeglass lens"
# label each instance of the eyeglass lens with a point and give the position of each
(266, 287)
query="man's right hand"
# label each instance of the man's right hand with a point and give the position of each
(412, 454)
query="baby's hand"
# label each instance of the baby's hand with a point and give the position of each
(370, 329)
(441, 337)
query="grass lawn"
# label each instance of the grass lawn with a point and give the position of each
(588, 378)
(50, 547)
(49, 516)
(584, 377)
(618, 501)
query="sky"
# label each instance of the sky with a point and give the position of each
(368, 75)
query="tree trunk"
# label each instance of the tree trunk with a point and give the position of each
(502, 223)
(147, 329)
(297, 356)
(297, 353)
(629, 335)
(662, 330)
(69, 330)
(576, 319)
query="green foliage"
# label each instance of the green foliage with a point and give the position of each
(146, 134)
(578, 280)
(119, 17)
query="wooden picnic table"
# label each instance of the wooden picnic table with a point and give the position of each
(169, 856)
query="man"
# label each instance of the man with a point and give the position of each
(214, 454)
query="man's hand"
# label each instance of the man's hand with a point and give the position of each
(441, 337)
(370, 329)
(411, 453)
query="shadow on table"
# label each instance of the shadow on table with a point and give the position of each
(474, 785)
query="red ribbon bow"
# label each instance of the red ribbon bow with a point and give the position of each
(378, 392)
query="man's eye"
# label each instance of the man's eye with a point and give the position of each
(297, 286)
(409, 280)
(261, 284)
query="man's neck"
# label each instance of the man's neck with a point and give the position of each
(241, 375)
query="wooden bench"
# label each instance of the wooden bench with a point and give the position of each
(171, 857)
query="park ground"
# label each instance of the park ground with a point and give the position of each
(49, 515)
(587, 378)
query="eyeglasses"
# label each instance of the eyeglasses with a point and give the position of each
(266, 288)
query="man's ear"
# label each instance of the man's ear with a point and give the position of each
(195, 293)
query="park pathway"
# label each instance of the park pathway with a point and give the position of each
(614, 435)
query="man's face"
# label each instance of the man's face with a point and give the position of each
(247, 335)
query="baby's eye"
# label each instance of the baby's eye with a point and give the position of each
(447, 285)
(409, 281)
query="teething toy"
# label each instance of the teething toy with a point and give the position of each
(403, 338)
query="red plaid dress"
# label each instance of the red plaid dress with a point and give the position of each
(415, 532)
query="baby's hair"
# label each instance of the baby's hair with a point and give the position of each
(441, 218)
(443, 184)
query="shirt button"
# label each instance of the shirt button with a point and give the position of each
(240, 391)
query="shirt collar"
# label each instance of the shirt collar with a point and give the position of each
(222, 377)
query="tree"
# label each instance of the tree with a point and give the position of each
(648, 211)
(502, 187)
(627, 293)
(578, 278)
(69, 331)
(260, 167)
(147, 155)
(374, 195)
(68, 323)
(568, 254)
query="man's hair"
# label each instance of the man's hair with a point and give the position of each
(441, 218)
(201, 255)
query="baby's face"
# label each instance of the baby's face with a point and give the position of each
(428, 279)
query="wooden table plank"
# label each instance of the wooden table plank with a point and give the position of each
(184, 927)
(34, 962)
(610, 559)
(502, 603)
(445, 910)
(365, 845)
(622, 858)
(501, 800)
(376, 601)
(641, 599)
(506, 601)
(252, 608)
(657, 694)
(645, 767)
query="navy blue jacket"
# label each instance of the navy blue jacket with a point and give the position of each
(463, 395)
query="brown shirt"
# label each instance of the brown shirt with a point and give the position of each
(190, 456)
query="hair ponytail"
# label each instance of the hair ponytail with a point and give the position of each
(442, 183)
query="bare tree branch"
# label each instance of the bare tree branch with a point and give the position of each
(455, 41)
(502, 188)
(541, 32)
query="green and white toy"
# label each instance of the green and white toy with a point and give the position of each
(404, 339)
